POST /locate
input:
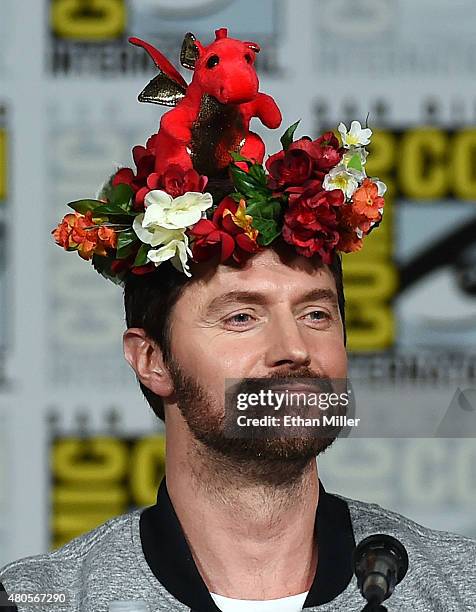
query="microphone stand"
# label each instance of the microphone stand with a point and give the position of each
(380, 563)
(374, 608)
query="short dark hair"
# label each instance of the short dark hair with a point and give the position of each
(149, 300)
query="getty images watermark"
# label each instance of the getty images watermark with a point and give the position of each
(284, 407)
(324, 407)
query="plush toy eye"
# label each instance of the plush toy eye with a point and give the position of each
(248, 58)
(213, 61)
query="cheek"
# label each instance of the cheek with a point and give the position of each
(331, 356)
(205, 361)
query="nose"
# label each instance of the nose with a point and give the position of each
(287, 345)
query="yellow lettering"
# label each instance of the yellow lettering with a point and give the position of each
(422, 163)
(94, 20)
(88, 461)
(147, 469)
(463, 178)
(369, 285)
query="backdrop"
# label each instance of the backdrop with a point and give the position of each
(78, 443)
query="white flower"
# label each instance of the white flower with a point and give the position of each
(153, 236)
(173, 213)
(345, 179)
(381, 187)
(176, 249)
(164, 223)
(356, 136)
(359, 151)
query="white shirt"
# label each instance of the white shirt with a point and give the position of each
(294, 603)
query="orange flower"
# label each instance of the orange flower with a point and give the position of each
(107, 236)
(63, 232)
(366, 200)
(78, 232)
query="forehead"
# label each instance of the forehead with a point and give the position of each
(276, 274)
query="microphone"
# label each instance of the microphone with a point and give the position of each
(380, 562)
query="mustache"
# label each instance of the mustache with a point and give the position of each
(309, 377)
(304, 372)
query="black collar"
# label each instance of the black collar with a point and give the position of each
(168, 555)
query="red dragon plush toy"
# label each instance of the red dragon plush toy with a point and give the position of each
(211, 115)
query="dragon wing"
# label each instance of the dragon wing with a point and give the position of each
(162, 90)
(169, 86)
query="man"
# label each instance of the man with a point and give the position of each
(242, 522)
(241, 525)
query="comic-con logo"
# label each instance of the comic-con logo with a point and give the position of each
(107, 19)
(89, 20)
(90, 36)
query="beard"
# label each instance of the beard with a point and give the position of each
(274, 460)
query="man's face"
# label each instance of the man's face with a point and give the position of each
(277, 316)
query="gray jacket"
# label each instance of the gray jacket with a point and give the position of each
(109, 563)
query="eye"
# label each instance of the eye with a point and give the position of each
(239, 320)
(248, 58)
(322, 315)
(213, 61)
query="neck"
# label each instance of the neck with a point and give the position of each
(250, 534)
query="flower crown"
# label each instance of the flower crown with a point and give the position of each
(313, 193)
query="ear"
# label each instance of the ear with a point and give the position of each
(253, 46)
(190, 51)
(221, 33)
(146, 359)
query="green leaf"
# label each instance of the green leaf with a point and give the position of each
(238, 157)
(121, 195)
(99, 219)
(271, 210)
(237, 196)
(355, 162)
(127, 250)
(268, 230)
(288, 137)
(83, 206)
(125, 237)
(141, 257)
(112, 210)
(264, 208)
(102, 265)
(258, 173)
(253, 207)
(126, 243)
(243, 182)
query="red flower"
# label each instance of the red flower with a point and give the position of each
(120, 265)
(175, 181)
(305, 160)
(228, 234)
(291, 167)
(350, 223)
(326, 152)
(144, 159)
(311, 223)
(349, 242)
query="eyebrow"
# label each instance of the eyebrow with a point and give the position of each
(253, 297)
